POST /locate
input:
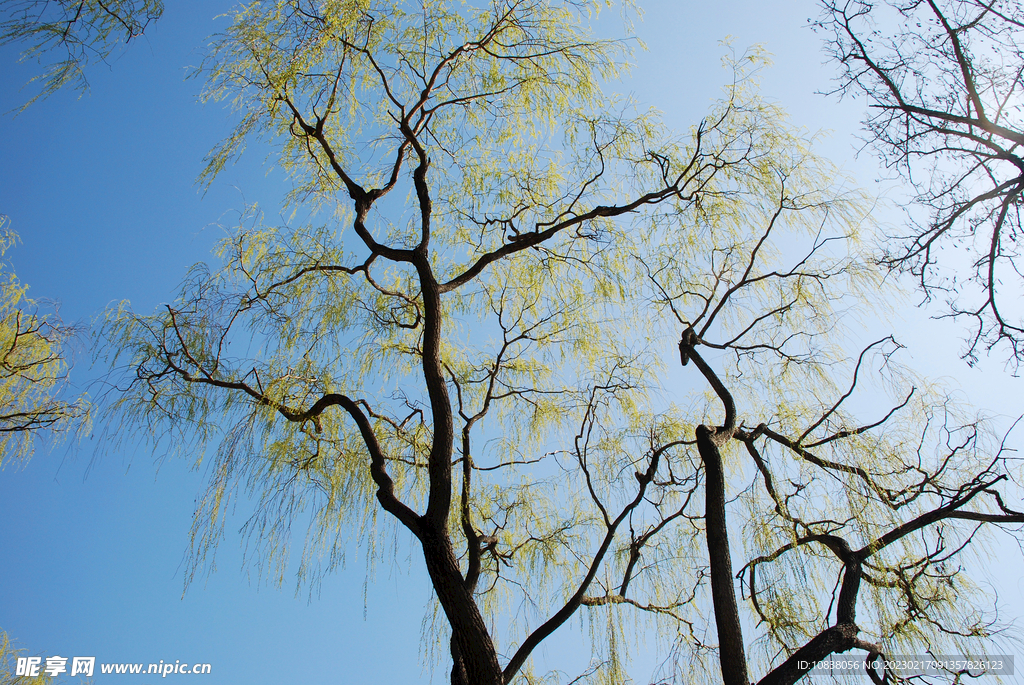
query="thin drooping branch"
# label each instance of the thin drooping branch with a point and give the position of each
(576, 600)
(846, 395)
(679, 187)
(842, 635)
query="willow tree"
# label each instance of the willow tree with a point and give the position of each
(474, 339)
(33, 367)
(66, 36)
(9, 655)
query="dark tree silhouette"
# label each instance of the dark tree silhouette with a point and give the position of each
(944, 81)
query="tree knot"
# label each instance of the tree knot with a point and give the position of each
(686, 344)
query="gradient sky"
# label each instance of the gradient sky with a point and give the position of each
(101, 190)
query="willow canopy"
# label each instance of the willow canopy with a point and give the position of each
(34, 400)
(594, 366)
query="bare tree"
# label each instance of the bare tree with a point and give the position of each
(943, 80)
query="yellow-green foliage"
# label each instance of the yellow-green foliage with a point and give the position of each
(560, 360)
(66, 36)
(8, 665)
(33, 368)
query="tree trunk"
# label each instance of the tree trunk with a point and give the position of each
(469, 631)
(731, 653)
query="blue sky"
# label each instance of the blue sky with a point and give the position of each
(101, 190)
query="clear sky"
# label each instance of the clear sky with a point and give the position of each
(101, 190)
